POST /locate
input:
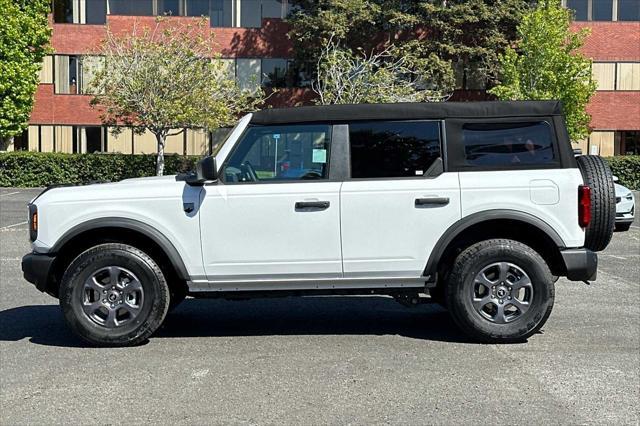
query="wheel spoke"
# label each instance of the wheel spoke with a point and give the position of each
(499, 316)
(524, 281)
(522, 306)
(93, 284)
(114, 274)
(91, 308)
(480, 303)
(504, 270)
(481, 278)
(110, 321)
(133, 310)
(132, 286)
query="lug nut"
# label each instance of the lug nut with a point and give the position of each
(509, 297)
(113, 306)
(104, 300)
(500, 300)
(104, 291)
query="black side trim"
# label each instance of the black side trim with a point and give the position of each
(581, 264)
(131, 224)
(457, 228)
(35, 269)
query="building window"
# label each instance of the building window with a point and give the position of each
(131, 8)
(80, 11)
(197, 8)
(74, 74)
(628, 10)
(580, 9)
(169, 7)
(602, 10)
(248, 73)
(92, 139)
(274, 72)
(221, 13)
(21, 141)
(630, 142)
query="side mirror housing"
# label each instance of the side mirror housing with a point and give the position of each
(615, 178)
(206, 171)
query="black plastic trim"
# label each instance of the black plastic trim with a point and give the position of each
(133, 225)
(581, 264)
(35, 269)
(457, 228)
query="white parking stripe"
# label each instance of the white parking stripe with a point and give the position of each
(10, 193)
(14, 225)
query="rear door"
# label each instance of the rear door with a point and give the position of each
(399, 199)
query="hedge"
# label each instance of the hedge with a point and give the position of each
(33, 169)
(627, 169)
(29, 169)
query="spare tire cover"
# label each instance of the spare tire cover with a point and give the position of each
(597, 175)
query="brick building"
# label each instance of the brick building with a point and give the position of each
(251, 37)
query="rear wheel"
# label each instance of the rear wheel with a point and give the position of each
(114, 295)
(500, 291)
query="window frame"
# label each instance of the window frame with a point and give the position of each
(426, 175)
(456, 161)
(333, 172)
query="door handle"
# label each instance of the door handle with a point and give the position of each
(432, 201)
(312, 205)
(188, 207)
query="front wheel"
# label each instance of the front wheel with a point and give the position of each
(500, 291)
(114, 295)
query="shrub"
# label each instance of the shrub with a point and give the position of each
(627, 169)
(33, 169)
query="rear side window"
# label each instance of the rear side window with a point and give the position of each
(388, 149)
(507, 144)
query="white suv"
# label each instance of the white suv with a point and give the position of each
(477, 206)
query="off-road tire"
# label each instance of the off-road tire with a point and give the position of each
(597, 175)
(152, 312)
(460, 286)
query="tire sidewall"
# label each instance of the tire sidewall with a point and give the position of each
(461, 292)
(155, 299)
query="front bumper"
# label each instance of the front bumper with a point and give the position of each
(36, 269)
(581, 264)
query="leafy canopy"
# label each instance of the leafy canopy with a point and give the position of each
(167, 77)
(547, 64)
(435, 35)
(24, 38)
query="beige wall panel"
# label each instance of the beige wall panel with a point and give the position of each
(605, 75)
(64, 139)
(604, 142)
(197, 142)
(120, 143)
(62, 74)
(583, 144)
(628, 76)
(145, 143)
(46, 72)
(46, 138)
(34, 134)
(174, 144)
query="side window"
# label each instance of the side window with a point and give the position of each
(280, 153)
(507, 144)
(388, 149)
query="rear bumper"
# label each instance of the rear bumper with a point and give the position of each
(581, 264)
(36, 269)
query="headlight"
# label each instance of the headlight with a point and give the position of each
(629, 196)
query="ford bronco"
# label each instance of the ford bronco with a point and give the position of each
(478, 206)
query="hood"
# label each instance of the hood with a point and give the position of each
(621, 191)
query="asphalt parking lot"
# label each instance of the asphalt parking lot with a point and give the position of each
(322, 360)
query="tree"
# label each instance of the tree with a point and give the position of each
(24, 38)
(439, 36)
(546, 64)
(164, 78)
(345, 77)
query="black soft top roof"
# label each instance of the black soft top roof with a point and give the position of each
(404, 111)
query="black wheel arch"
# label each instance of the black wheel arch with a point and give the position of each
(114, 229)
(499, 223)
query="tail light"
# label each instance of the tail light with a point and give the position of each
(33, 222)
(584, 205)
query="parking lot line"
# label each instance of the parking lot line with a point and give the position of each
(14, 225)
(10, 193)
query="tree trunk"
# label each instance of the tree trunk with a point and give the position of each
(160, 160)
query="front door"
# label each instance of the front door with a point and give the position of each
(275, 216)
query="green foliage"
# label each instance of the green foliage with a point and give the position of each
(24, 38)
(546, 64)
(433, 34)
(627, 169)
(165, 77)
(33, 169)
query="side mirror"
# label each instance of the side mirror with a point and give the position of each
(206, 171)
(615, 178)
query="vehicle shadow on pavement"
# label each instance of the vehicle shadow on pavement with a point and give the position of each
(44, 324)
(333, 315)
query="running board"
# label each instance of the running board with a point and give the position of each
(197, 286)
